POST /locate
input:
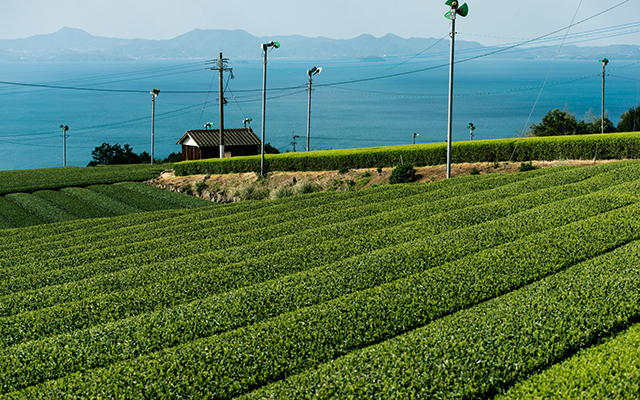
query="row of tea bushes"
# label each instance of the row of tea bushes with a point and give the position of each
(47, 206)
(338, 275)
(610, 370)
(255, 303)
(31, 180)
(480, 351)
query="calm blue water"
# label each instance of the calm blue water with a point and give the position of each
(497, 95)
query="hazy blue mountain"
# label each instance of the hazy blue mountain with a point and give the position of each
(70, 44)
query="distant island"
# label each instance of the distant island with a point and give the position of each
(69, 44)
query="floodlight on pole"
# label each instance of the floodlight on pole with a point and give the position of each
(471, 129)
(414, 137)
(154, 93)
(604, 62)
(64, 129)
(462, 11)
(311, 72)
(265, 47)
(208, 125)
(247, 121)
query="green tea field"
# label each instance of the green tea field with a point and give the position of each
(95, 201)
(494, 286)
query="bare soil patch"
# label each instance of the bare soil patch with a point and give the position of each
(247, 186)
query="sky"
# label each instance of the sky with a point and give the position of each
(490, 22)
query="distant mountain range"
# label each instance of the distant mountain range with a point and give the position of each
(70, 44)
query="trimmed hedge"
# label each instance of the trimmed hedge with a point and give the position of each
(178, 286)
(589, 147)
(227, 311)
(178, 199)
(30, 180)
(70, 204)
(232, 363)
(477, 352)
(608, 371)
(16, 216)
(107, 204)
(290, 296)
(131, 198)
(42, 208)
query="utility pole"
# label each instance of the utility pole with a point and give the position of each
(221, 67)
(471, 129)
(414, 137)
(264, 47)
(154, 93)
(311, 72)
(64, 129)
(294, 141)
(463, 11)
(604, 64)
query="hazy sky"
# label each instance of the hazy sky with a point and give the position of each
(489, 21)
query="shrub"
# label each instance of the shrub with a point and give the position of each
(474, 171)
(402, 174)
(282, 192)
(306, 187)
(524, 167)
(253, 193)
(201, 186)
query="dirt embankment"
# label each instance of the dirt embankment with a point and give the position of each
(248, 186)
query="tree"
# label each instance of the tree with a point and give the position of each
(173, 158)
(108, 154)
(403, 173)
(593, 124)
(555, 123)
(269, 149)
(630, 121)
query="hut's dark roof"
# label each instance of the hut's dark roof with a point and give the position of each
(211, 137)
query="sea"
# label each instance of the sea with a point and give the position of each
(355, 103)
